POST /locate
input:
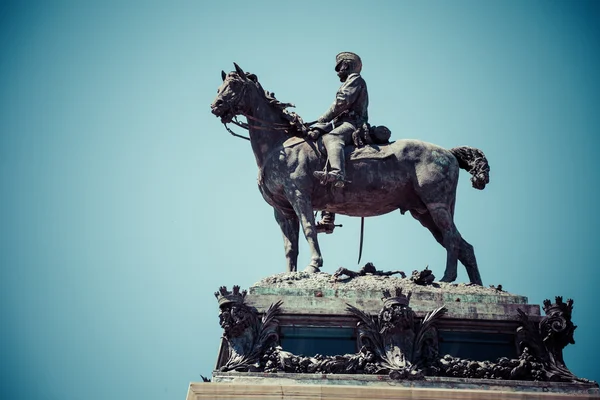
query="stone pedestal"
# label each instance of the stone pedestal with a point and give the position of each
(375, 337)
(347, 387)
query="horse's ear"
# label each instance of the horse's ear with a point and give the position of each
(252, 77)
(240, 71)
(223, 74)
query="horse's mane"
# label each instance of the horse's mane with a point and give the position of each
(297, 125)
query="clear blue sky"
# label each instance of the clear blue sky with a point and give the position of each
(125, 204)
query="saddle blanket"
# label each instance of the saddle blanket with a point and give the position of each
(369, 151)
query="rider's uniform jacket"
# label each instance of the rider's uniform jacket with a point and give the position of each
(353, 98)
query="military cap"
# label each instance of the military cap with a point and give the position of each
(346, 55)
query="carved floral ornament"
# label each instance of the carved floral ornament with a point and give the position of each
(395, 343)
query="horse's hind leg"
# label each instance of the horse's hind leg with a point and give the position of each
(451, 238)
(426, 220)
(466, 255)
(289, 228)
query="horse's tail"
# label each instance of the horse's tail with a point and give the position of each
(473, 160)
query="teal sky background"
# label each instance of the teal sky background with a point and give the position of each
(125, 204)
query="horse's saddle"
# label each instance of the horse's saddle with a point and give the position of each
(368, 151)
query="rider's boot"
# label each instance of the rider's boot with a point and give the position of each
(335, 150)
(327, 222)
(337, 162)
(333, 176)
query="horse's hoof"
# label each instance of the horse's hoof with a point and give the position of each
(311, 269)
(447, 280)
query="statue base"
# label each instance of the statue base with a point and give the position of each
(241, 385)
(299, 335)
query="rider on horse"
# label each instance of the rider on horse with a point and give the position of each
(347, 113)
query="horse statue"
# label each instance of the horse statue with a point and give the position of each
(405, 175)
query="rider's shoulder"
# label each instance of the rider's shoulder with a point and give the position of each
(355, 79)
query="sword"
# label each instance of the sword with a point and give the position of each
(362, 234)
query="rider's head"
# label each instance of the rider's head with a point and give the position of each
(347, 63)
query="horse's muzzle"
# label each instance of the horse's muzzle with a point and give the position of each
(219, 109)
(216, 107)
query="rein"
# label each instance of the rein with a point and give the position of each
(233, 133)
(243, 125)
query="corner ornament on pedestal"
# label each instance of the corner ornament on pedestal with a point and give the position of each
(546, 340)
(247, 335)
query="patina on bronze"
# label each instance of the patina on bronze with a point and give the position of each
(406, 175)
(368, 269)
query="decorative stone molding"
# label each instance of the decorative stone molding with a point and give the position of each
(395, 343)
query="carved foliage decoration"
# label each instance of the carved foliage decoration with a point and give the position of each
(540, 358)
(276, 359)
(401, 345)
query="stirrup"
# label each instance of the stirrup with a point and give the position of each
(325, 227)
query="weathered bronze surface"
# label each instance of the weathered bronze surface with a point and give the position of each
(406, 175)
(368, 268)
(423, 278)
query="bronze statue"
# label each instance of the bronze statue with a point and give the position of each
(406, 175)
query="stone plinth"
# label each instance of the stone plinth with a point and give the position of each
(349, 387)
(311, 336)
(318, 294)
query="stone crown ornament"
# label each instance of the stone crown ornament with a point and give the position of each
(566, 308)
(226, 297)
(400, 299)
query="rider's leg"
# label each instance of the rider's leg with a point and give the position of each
(335, 151)
(334, 143)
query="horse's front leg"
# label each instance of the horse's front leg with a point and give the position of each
(303, 207)
(289, 228)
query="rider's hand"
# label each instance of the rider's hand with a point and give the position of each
(357, 139)
(321, 120)
(314, 134)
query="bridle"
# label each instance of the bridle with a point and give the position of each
(233, 104)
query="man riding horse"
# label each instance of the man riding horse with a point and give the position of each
(347, 114)
(410, 175)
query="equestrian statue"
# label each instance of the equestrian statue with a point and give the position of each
(341, 164)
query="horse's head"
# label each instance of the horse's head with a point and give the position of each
(231, 95)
